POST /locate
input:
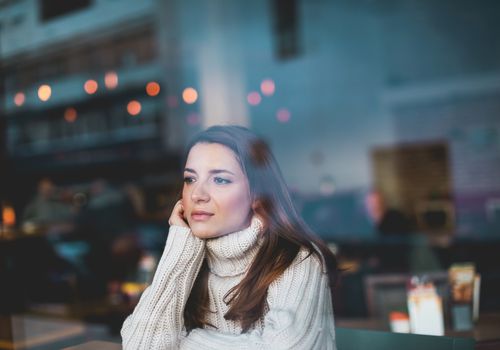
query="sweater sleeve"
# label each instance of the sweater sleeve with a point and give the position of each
(157, 321)
(300, 315)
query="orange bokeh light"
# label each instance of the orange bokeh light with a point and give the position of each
(90, 86)
(134, 107)
(111, 80)
(70, 115)
(189, 95)
(8, 216)
(19, 99)
(153, 88)
(44, 92)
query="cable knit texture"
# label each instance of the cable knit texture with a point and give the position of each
(299, 310)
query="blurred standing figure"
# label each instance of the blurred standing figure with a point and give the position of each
(387, 221)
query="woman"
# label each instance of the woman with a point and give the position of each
(240, 268)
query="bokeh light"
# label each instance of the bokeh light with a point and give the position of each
(19, 99)
(267, 87)
(111, 80)
(153, 88)
(70, 114)
(254, 98)
(193, 119)
(189, 95)
(90, 86)
(172, 101)
(8, 216)
(283, 115)
(134, 107)
(44, 92)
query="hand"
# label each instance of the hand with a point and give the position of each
(177, 216)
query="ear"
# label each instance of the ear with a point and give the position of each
(258, 210)
(256, 205)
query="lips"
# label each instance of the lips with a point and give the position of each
(199, 215)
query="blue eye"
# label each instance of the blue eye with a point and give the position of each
(221, 181)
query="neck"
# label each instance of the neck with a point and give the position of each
(232, 254)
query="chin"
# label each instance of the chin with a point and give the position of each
(203, 234)
(201, 231)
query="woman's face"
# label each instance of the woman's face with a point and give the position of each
(216, 194)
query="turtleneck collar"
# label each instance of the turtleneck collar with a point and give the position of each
(232, 254)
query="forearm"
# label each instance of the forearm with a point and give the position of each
(157, 321)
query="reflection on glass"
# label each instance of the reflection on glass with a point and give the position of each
(267, 87)
(111, 80)
(283, 115)
(134, 108)
(172, 101)
(153, 88)
(70, 115)
(189, 95)
(19, 99)
(193, 119)
(254, 98)
(44, 92)
(90, 86)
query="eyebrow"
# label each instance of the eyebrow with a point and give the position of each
(213, 171)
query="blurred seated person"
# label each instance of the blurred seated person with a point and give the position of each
(108, 224)
(46, 274)
(47, 209)
(387, 221)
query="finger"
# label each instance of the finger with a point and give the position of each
(180, 206)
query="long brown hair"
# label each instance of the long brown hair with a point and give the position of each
(284, 235)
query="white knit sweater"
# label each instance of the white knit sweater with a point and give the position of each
(299, 309)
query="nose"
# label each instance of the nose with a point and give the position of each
(200, 193)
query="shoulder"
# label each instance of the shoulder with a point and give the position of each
(306, 266)
(303, 279)
(312, 259)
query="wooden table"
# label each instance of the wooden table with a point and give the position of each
(21, 332)
(93, 345)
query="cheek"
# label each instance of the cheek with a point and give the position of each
(237, 201)
(186, 195)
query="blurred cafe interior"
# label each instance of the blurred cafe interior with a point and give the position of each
(384, 116)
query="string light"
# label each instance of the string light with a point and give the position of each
(111, 80)
(90, 86)
(19, 99)
(153, 88)
(134, 107)
(254, 98)
(190, 95)
(44, 92)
